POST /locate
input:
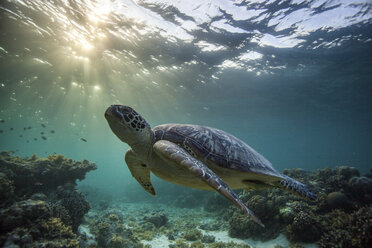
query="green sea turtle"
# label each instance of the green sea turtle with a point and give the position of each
(195, 156)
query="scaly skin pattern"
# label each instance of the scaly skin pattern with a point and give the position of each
(211, 144)
(293, 186)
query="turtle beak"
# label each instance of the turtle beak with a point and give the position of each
(114, 111)
(117, 113)
(108, 112)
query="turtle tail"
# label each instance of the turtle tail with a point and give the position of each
(293, 186)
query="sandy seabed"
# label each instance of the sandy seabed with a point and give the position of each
(186, 219)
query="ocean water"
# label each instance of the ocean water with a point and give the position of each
(293, 79)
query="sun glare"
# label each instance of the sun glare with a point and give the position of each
(100, 11)
(86, 45)
(83, 37)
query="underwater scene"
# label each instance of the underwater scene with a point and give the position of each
(186, 124)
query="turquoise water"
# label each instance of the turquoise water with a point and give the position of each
(290, 78)
(296, 88)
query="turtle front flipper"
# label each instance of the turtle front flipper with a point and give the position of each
(172, 153)
(139, 171)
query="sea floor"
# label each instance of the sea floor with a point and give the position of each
(41, 207)
(183, 220)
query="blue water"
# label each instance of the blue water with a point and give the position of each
(290, 78)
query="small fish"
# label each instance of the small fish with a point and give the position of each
(24, 128)
(29, 127)
(52, 131)
(2, 121)
(35, 139)
(20, 135)
(11, 129)
(43, 125)
(43, 137)
(38, 184)
(1, 131)
(83, 139)
(41, 133)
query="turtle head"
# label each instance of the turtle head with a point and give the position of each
(129, 126)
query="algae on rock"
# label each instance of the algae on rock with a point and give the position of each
(39, 205)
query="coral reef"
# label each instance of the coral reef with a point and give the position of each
(264, 206)
(340, 217)
(369, 174)
(322, 221)
(348, 230)
(6, 188)
(338, 200)
(208, 239)
(192, 235)
(158, 219)
(304, 228)
(218, 224)
(73, 202)
(34, 173)
(110, 231)
(198, 244)
(361, 189)
(228, 245)
(39, 205)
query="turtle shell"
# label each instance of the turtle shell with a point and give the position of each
(212, 145)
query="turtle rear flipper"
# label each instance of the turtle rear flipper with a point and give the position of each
(293, 186)
(139, 171)
(172, 153)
